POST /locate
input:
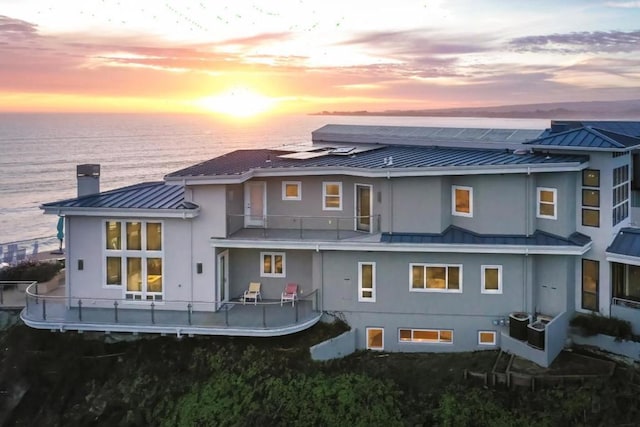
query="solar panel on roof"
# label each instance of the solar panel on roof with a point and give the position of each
(304, 155)
(342, 150)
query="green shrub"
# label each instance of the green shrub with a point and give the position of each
(593, 324)
(31, 270)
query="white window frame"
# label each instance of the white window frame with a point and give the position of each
(539, 191)
(143, 253)
(425, 289)
(298, 184)
(483, 278)
(367, 339)
(361, 290)
(453, 201)
(412, 340)
(273, 263)
(491, 344)
(325, 195)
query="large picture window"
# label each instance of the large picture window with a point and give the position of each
(625, 280)
(367, 281)
(137, 265)
(547, 201)
(461, 201)
(590, 284)
(272, 264)
(435, 278)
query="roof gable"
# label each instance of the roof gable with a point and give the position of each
(587, 137)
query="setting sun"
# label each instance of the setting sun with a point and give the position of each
(237, 102)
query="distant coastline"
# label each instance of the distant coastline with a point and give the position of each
(618, 110)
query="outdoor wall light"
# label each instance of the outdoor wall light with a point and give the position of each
(199, 268)
(80, 264)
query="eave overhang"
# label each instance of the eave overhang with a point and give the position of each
(378, 173)
(121, 212)
(358, 245)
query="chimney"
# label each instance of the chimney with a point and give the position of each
(88, 179)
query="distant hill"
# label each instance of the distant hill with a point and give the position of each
(628, 109)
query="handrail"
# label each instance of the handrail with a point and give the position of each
(34, 286)
(303, 223)
(625, 302)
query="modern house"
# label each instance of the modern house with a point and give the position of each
(421, 239)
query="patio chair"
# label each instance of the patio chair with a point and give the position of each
(290, 294)
(252, 293)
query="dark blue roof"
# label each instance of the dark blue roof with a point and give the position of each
(242, 161)
(586, 137)
(629, 128)
(148, 195)
(455, 236)
(627, 242)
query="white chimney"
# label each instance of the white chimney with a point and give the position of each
(88, 179)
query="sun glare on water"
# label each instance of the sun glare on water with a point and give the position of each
(237, 102)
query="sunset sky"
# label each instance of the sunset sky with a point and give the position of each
(303, 56)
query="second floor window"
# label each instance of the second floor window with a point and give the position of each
(461, 201)
(547, 203)
(332, 196)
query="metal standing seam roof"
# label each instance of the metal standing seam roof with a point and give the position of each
(626, 242)
(587, 137)
(148, 195)
(243, 161)
(455, 235)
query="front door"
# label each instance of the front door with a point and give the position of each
(255, 202)
(222, 287)
(363, 207)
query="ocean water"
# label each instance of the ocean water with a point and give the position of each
(39, 153)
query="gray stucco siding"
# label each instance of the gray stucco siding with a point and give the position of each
(499, 204)
(245, 265)
(85, 241)
(416, 204)
(393, 293)
(464, 328)
(565, 185)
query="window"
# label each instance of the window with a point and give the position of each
(591, 178)
(546, 203)
(272, 264)
(134, 259)
(625, 280)
(462, 201)
(291, 190)
(435, 278)
(591, 198)
(620, 194)
(375, 339)
(426, 335)
(491, 279)
(332, 196)
(590, 281)
(367, 281)
(487, 337)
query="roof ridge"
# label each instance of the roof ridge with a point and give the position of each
(598, 132)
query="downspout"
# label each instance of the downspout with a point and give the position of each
(390, 203)
(67, 261)
(191, 258)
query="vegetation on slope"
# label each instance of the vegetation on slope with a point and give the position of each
(53, 379)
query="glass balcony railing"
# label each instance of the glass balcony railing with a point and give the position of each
(301, 227)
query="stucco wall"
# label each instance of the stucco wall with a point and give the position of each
(244, 267)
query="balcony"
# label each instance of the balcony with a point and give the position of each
(263, 319)
(295, 227)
